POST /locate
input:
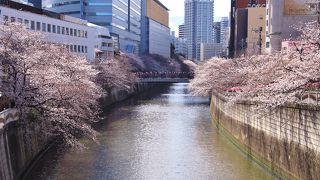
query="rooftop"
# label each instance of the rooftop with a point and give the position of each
(157, 1)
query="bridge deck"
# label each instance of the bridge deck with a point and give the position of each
(164, 80)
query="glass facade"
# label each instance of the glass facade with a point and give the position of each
(121, 17)
(198, 25)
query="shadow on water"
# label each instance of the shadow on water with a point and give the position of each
(164, 133)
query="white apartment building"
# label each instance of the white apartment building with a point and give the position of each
(79, 36)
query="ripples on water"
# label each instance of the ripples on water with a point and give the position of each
(159, 135)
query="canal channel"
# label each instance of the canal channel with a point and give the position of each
(163, 134)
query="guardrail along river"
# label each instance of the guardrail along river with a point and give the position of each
(166, 135)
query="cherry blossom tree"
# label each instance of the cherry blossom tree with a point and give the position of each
(48, 84)
(115, 74)
(274, 79)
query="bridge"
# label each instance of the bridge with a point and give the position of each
(164, 77)
(163, 80)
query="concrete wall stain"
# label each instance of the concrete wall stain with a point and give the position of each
(286, 140)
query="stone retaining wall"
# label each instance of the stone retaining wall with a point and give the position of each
(21, 145)
(285, 140)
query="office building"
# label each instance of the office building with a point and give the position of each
(216, 32)
(181, 46)
(155, 37)
(237, 15)
(181, 31)
(198, 25)
(79, 36)
(224, 25)
(121, 17)
(209, 50)
(282, 15)
(256, 39)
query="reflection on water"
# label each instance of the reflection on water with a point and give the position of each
(166, 136)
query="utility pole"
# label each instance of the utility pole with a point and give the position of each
(260, 40)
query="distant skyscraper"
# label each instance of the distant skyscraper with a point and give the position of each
(198, 25)
(224, 25)
(217, 32)
(181, 31)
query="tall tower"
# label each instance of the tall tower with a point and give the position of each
(198, 25)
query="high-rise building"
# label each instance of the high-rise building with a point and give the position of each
(155, 31)
(216, 32)
(121, 17)
(181, 31)
(224, 25)
(198, 25)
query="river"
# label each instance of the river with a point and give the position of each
(164, 134)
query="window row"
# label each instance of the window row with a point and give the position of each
(50, 28)
(77, 48)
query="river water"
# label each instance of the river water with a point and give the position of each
(166, 134)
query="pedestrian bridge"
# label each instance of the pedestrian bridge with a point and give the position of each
(164, 77)
(164, 80)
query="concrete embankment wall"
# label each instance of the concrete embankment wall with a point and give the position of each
(285, 140)
(21, 146)
(116, 96)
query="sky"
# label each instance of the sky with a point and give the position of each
(176, 13)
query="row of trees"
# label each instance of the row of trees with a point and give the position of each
(51, 86)
(274, 79)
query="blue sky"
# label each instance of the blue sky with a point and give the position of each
(176, 7)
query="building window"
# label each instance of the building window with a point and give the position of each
(67, 31)
(79, 33)
(75, 32)
(49, 27)
(38, 26)
(71, 32)
(75, 48)
(5, 18)
(58, 30)
(44, 27)
(62, 30)
(13, 19)
(267, 44)
(54, 29)
(71, 48)
(26, 23)
(82, 49)
(85, 34)
(86, 49)
(32, 25)
(19, 20)
(79, 48)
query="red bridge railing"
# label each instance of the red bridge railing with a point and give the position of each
(188, 75)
